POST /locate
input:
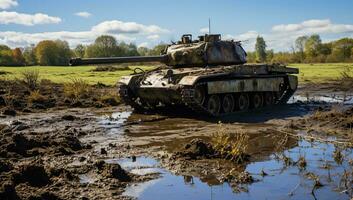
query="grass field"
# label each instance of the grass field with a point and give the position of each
(308, 72)
(65, 74)
(321, 72)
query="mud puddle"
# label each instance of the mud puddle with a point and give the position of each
(277, 180)
(328, 99)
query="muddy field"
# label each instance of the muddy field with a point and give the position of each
(92, 147)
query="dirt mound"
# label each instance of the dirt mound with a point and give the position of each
(27, 144)
(110, 170)
(197, 148)
(33, 174)
(338, 117)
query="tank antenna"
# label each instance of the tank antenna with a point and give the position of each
(209, 26)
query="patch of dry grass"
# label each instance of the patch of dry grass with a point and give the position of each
(30, 78)
(231, 145)
(36, 96)
(346, 79)
(76, 89)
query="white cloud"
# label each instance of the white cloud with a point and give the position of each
(20, 39)
(153, 37)
(313, 26)
(27, 19)
(281, 37)
(116, 27)
(6, 4)
(16, 39)
(204, 30)
(83, 14)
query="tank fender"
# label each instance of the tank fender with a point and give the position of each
(189, 80)
(293, 82)
(125, 80)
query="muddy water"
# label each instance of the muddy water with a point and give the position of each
(281, 182)
(346, 100)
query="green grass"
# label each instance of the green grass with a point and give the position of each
(316, 73)
(321, 72)
(65, 74)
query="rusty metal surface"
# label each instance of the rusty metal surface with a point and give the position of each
(245, 85)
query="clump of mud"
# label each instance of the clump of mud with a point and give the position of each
(199, 149)
(340, 117)
(33, 174)
(115, 171)
(337, 120)
(27, 144)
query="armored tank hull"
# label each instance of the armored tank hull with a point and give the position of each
(208, 75)
(212, 91)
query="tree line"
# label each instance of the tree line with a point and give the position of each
(306, 49)
(58, 52)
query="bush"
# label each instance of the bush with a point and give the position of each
(35, 97)
(76, 89)
(30, 78)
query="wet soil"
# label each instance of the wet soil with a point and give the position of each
(111, 152)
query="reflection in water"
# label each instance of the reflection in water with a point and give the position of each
(348, 100)
(114, 122)
(282, 182)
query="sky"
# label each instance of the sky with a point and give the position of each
(150, 22)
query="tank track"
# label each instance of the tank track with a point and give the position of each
(192, 104)
(188, 99)
(124, 95)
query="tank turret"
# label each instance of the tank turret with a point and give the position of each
(208, 50)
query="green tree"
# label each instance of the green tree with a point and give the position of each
(6, 57)
(158, 49)
(79, 51)
(104, 46)
(143, 51)
(30, 55)
(18, 58)
(4, 47)
(312, 46)
(341, 49)
(46, 52)
(63, 53)
(260, 49)
(300, 46)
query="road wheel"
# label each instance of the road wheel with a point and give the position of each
(214, 104)
(269, 98)
(199, 95)
(257, 100)
(243, 102)
(228, 103)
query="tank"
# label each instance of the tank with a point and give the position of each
(208, 75)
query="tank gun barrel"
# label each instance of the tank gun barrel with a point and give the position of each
(117, 60)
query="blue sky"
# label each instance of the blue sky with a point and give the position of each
(147, 23)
